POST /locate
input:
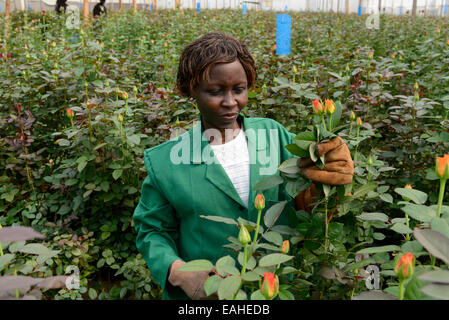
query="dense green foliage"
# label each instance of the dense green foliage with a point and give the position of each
(77, 181)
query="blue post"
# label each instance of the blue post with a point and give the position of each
(198, 7)
(285, 8)
(244, 9)
(445, 8)
(359, 11)
(0, 8)
(29, 7)
(400, 10)
(149, 7)
(283, 33)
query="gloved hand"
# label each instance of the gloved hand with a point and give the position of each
(192, 282)
(338, 168)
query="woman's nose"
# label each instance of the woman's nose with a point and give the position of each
(229, 99)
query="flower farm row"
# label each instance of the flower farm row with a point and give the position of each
(79, 106)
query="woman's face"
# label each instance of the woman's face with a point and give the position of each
(221, 98)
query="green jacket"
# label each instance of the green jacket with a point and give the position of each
(185, 182)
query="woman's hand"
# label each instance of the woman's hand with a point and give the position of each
(191, 282)
(338, 168)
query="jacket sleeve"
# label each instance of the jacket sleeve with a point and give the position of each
(156, 226)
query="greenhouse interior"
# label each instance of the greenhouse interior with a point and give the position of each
(224, 150)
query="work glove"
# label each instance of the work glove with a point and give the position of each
(338, 170)
(191, 282)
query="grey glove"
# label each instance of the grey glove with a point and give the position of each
(192, 282)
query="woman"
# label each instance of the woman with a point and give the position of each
(211, 169)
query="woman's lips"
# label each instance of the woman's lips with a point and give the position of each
(229, 116)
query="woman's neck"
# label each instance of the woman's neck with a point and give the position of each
(226, 135)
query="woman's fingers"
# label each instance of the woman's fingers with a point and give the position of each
(327, 177)
(325, 147)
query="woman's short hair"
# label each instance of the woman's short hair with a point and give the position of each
(198, 58)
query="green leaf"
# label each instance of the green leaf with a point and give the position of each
(440, 225)
(401, 228)
(439, 276)
(308, 135)
(197, 265)
(133, 139)
(436, 243)
(387, 248)
(373, 216)
(312, 152)
(297, 151)
(268, 183)
(229, 287)
(363, 190)
(226, 265)
(414, 195)
(437, 291)
(92, 293)
(386, 197)
(273, 213)
(419, 212)
(5, 259)
(211, 284)
(336, 115)
(35, 248)
(374, 295)
(284, 294)
(274, 259)
(257, 295)
(251, 276)
(250, 264)
(273, 237)
(290, 166)
(117, 173)
(82, 162)
(220, 219)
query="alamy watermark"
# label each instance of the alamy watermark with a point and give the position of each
(263, 147)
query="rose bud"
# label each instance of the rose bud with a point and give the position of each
(270, 285)
(285, 248)
(259, 203)
(317, 106)
(244, 236)
(442, 167)
(405, 266)
(329, 106)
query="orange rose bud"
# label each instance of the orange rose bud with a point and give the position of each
(359, 122)
(259, 203)
(352, 117)
(329, 106)
(120, 117)
(405, 266)
(371, 54)
(285, 248)
(125, 95)
(270, 285)
(408, 186)
(70, 113)
(442, 167)
(317, 106)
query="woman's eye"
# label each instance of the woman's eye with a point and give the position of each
(239, 90)
(214, 92)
